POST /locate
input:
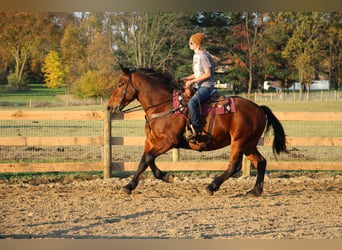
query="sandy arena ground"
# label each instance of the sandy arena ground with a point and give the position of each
(298, 207)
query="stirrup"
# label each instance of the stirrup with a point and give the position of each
(189, 132)
(193, 138)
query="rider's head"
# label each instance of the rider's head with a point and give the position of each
(198, 39)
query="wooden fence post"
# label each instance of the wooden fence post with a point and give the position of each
(246, 166)
(175, 154)
(107, 147)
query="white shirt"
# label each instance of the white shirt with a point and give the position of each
(201, 61)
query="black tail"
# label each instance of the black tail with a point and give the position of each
(279, 142)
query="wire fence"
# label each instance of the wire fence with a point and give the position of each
(132, 153)
(50, 128)
(295, 96)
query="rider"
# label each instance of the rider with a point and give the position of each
(202, 79)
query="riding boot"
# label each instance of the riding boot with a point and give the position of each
(194, 138)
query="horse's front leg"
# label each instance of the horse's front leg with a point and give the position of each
(135, 180)
(146, 160)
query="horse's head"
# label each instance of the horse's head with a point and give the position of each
(124, 92)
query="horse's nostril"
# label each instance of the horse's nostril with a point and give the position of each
(109, 108)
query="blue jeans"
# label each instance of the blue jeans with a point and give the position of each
(202, 94)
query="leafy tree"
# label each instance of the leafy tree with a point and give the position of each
(100, 76)
(21, 33)
(303, 46)
(73, 52)
(274, 65)
(332, 33)
(244, 42)
(54, 72)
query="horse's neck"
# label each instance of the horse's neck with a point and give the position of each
(154, 100)
(153, 96)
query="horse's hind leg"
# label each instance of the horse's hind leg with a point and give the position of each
(234, 166)
(259, 162)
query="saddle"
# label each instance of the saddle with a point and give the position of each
(216, 104)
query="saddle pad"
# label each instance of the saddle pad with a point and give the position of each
(206, 108)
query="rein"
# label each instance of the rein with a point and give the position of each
(135, 108)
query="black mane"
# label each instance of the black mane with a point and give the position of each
(164, 77)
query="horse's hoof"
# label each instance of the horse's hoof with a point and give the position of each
(253, 193)
(126, 190)
(168, 178)
(209, 190)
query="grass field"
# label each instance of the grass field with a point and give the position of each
(37, 93)
(40, 97)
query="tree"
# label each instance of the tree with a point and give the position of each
(273, 65)
(146, 39)
(303, 46)
(87, 52)
(54, 72)
(100, 76)
(253, 26)
(333, 33)
(20, 34)
(244, 43)
(73, 52)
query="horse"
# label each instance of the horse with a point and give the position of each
(165, 129)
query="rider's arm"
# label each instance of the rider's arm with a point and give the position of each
(186, 78)
(206, 75)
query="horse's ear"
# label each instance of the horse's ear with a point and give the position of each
(124, 70)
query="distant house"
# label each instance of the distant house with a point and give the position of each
(272, 85)
(220, 85)
(315, 85)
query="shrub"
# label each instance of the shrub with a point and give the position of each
(15, 85)
(94, 84)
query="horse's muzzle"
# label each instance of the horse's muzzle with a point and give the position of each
(110, 109)
(114, 110)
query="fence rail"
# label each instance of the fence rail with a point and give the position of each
(107, 140)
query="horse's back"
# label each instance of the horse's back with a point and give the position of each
(248, 117)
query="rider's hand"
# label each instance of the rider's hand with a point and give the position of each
(188, 84)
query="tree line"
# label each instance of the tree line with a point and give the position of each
(81, 51)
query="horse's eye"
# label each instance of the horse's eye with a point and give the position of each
(120, 84)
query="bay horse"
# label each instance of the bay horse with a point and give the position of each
(165, 130)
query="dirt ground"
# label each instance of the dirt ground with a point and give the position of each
(292, 207)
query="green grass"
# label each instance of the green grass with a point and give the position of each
(325, 106)
(40, 97)
(37, 93)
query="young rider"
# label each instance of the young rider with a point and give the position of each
(202, 80)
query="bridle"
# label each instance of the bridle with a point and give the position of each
(121, 106)
(138, 107)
